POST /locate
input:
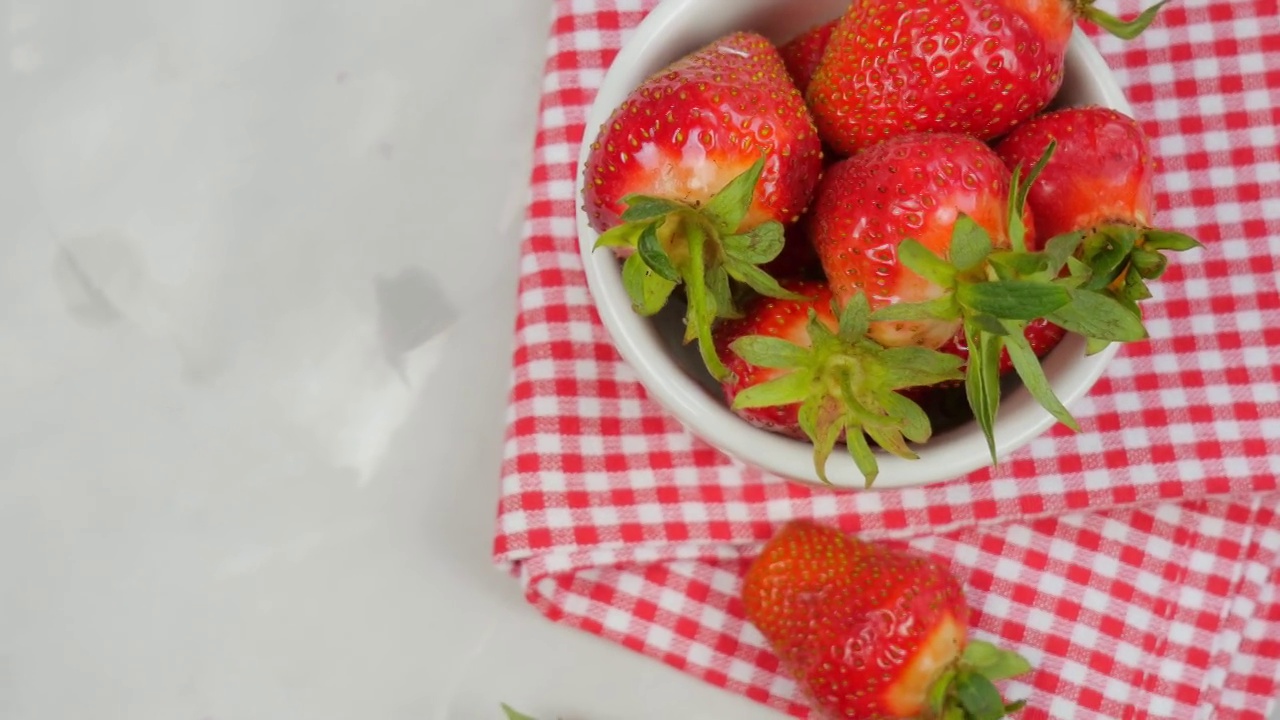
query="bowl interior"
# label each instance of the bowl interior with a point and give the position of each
(672, 372)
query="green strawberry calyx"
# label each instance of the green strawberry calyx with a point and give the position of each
(847, 385)
(701, 248)
(1123, 29)
(1120, 257)
(996, 292)
(967, 691)
(513, 714)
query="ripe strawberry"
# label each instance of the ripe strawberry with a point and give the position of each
(934, 229)
(799, 369)
(969, 66)
(870, 631)
(696, 170)
(804, 52)
(1099, 182)
(914, 186)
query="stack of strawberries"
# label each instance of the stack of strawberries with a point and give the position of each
(880, 216)
(875, 217)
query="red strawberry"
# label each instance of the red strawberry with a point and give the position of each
(969, 66)
(696, 170)
(934, 230)
(872, 632)
(804, 52)
(915, 187)
(799, 370)
(1099, 181)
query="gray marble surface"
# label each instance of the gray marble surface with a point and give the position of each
(257, 274)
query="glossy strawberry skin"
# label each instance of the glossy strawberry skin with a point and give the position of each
(863, 628)
(968, 66)
(1101, 169)
(803, 54)
(909, 187)
(772, 317)
(687, 131)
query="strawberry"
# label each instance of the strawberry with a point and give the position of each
(934, 229)
(800, 368)
(915, 186)
(1098, 182)
(696, 172)
(804, 52)
(872, 632)
(971, 66)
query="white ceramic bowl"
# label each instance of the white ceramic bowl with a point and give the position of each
(672, 373)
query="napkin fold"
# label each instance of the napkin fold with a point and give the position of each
(1135, 562)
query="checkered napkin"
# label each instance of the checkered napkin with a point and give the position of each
(1137, 563)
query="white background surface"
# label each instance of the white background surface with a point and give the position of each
(257, 274)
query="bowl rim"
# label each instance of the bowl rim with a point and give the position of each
(708, 418)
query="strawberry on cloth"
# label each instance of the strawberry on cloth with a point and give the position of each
(1132, 564)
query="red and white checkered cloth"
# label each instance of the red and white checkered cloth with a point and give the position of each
(1136, 563)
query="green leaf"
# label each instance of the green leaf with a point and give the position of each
(979, 697)
(1005, 665)
(758, 245)
(921, 260)
(1014, 706)
(791, 388)
(648, 290)
(701, 312)
(729, 206)
(1018, 264)
(1060, 248)
(1013, 299)
(979, 654)
(943, 307)
(1096, 315)
(863, 457)
(937, 695)
(982, 380)
(770, 352)
(890, 439)
(625, 235)
(953, 713)
(1028, 367)
(1149, 263)
(1020, 186)
(819, 334)
(514, 715)
(853, 318)
(654, 256)
(970, 243)
(718, 287)
(990, 324)
(822, 421)
(758, 280)
(1093, 346)
(1169, 240)
(646, 207)
(1106, 252)
(915, 366)
(1135, 289)
(1123, 29)
(915, 422)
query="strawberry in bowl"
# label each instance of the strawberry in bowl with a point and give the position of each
(919, 251)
